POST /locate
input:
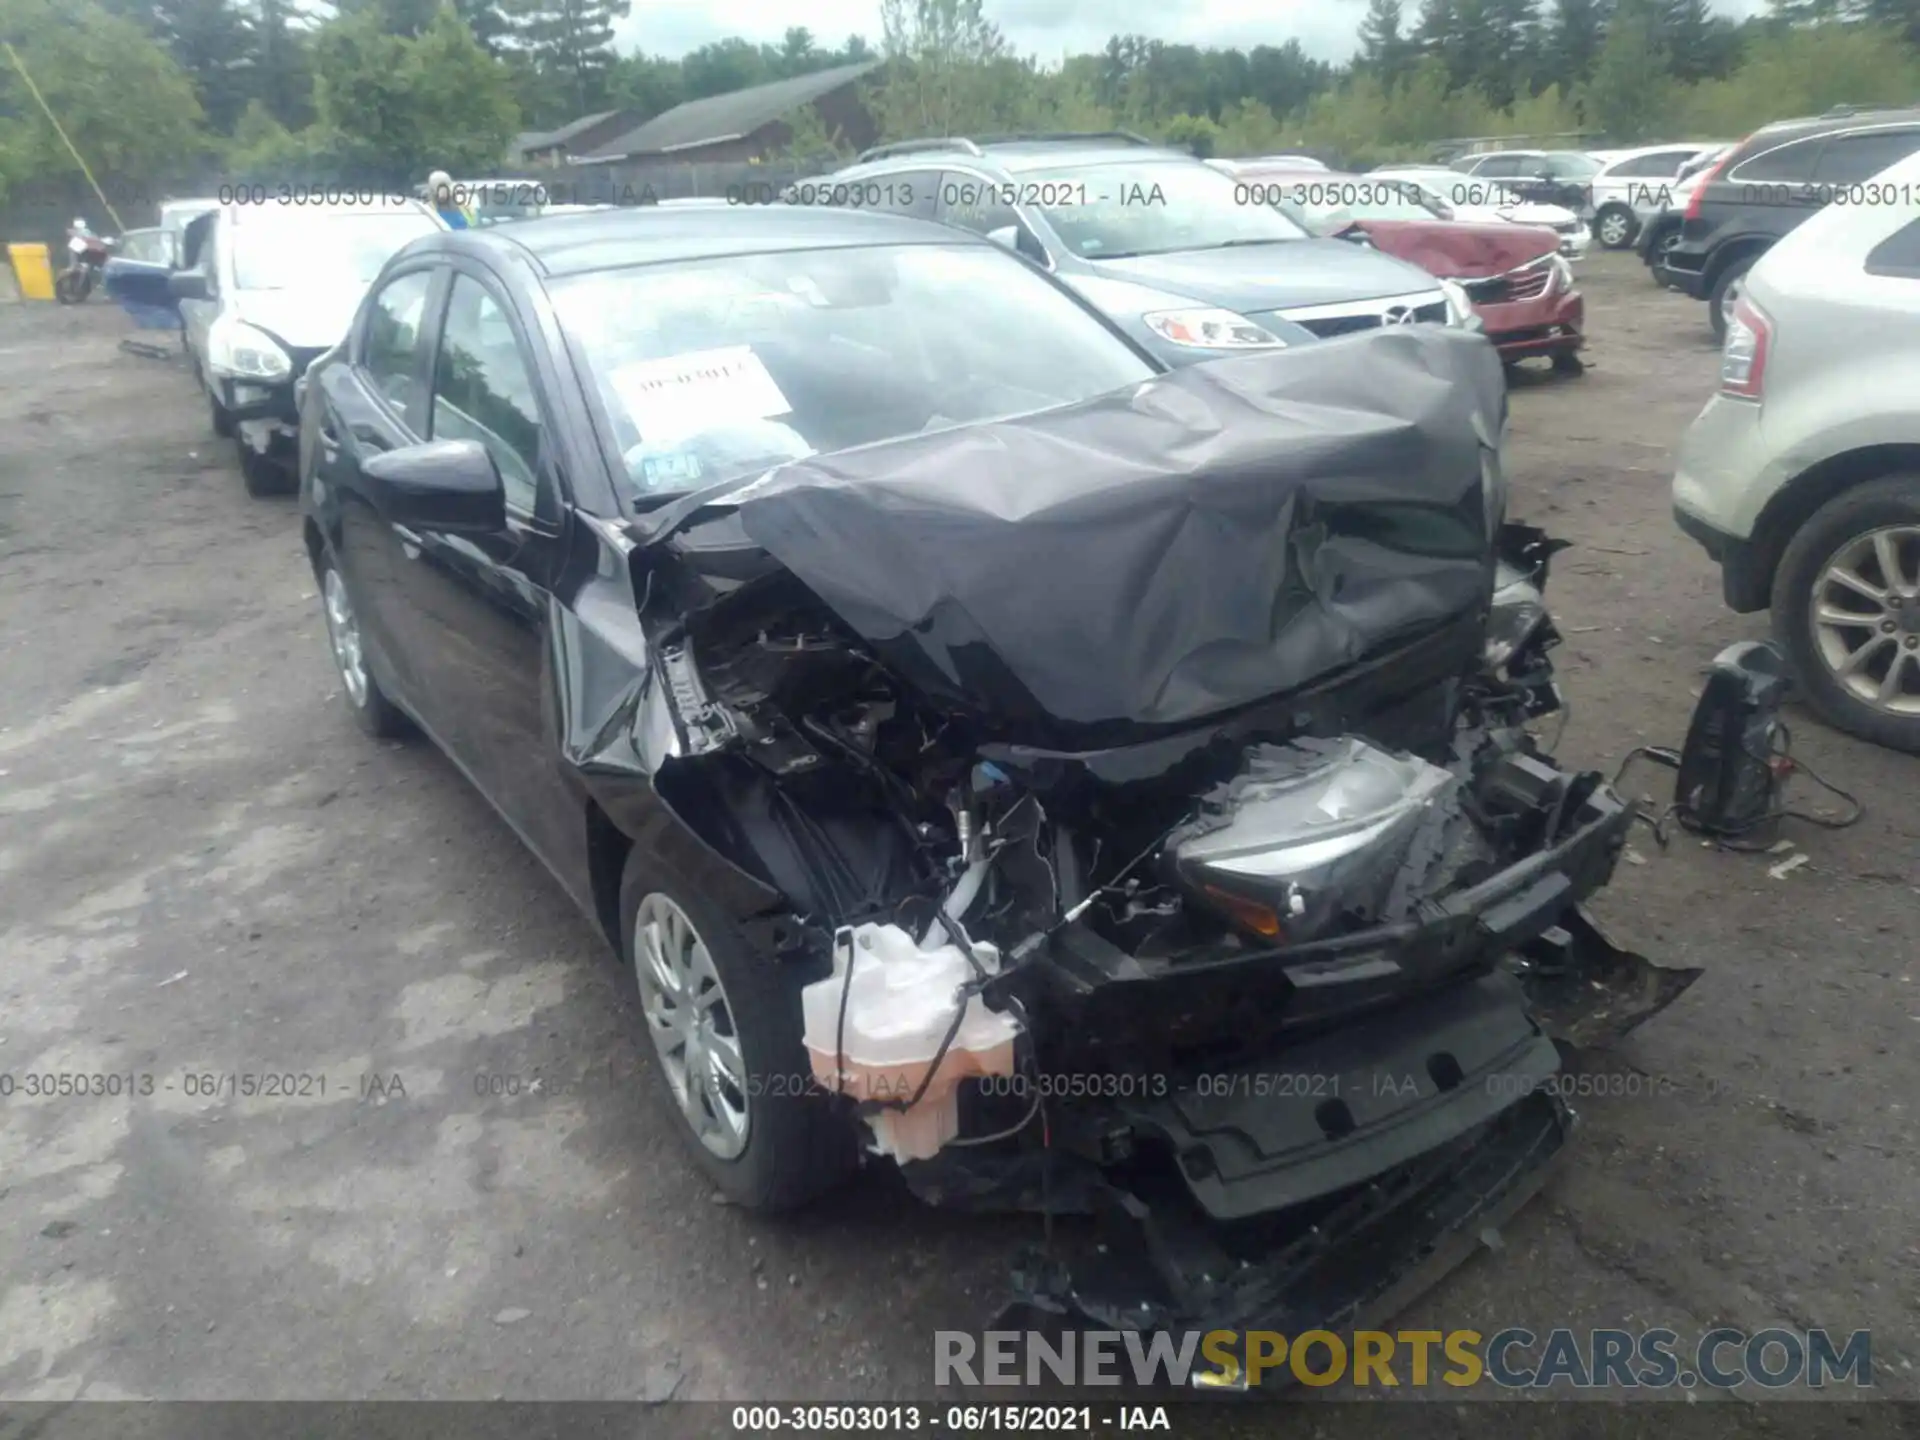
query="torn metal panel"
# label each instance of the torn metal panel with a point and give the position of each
(1205, 540)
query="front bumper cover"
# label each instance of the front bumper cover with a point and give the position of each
(1382, 1160)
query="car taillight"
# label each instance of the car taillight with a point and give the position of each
(1699, 196)
(1743, 359)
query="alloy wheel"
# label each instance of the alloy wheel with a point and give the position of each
(343, 632)
(1613, 230)
(692, 1025)
(1866, 618)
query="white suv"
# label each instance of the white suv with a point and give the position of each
(1631, 185)
(1802, 476)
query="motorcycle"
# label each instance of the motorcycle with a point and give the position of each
(88, 254)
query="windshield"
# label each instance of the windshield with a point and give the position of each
(717, 368)
(1106, 212)
(289, 248)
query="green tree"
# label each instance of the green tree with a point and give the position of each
(1571, 43)
(391, 110)
(1627, 96)
(137, 132)
(1383, 49)
(569, 44)
(949, 71)
(1196, 133)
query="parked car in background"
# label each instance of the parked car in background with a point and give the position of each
(1660, 229)
(1633, 184)
(1802, 476)
(1520, 286)
(1767, 185)
(1554, 177)
(263, 291)
(1165, 244)
(1487, 202)
(1281, 162)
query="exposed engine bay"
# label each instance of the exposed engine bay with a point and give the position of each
(1271, 974)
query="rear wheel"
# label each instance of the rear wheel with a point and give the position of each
(1846, 609)
(70, 286)
(724, 1024)
(1614, 227)
(372, 710)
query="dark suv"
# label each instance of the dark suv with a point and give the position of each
(1766, 185)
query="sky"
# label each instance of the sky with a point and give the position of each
(1326, 29)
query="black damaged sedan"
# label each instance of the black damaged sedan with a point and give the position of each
(1088, 788)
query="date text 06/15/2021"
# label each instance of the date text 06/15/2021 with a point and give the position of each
(961, 1419)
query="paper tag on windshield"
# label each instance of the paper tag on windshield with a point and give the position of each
(702, 390)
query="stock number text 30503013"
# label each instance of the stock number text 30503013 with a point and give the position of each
(961, 1419)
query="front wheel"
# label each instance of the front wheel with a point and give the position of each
(1846, 609)
(724, 1024)
(70, 286)
(1568, 363)
(261, 474)
(1614, 227)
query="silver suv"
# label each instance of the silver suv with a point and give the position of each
(1802, 476)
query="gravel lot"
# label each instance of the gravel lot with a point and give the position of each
(206, 870)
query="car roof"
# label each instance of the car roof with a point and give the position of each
(321, 209)
(1808, 125)
(653, 235)
(1017, 155)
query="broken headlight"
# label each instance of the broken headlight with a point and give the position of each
(1519, 609)
(1309, 833)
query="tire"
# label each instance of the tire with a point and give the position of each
(218, 416)
(262, 476)
(1615, 227)
(70, 287)
(1726, 289)
(1568, 363)
(372, 711)
(1844, 524)
(797, 1145)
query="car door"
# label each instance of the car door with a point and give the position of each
(479, 607)
(136, 277)
(1766, 194)
(1490, 182)
(199, 254)
(374, 402)
(975, 202)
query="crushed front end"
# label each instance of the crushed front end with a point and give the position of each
(1215, 885)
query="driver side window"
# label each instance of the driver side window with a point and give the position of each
(390, 348)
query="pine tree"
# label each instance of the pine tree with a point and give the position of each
(1572, 41)
(1512, 44)
(1383, 49)
(569, 43)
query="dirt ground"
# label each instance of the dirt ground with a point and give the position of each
(206, 870)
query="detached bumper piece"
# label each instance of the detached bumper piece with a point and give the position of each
(1331, 1186)
(1315, 1209)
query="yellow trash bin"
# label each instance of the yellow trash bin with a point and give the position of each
(33, 270)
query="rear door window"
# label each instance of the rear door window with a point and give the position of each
(1898, 256)
(1498, 165)
(1849, 159)
(1791, 161)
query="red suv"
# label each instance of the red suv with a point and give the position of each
(1519, 286)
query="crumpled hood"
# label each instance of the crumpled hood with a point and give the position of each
(1280, 276)
(1457, 251)
(1201, 541)
(307, 319)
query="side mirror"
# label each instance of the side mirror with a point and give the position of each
(448, 485)
(1007, 235)
(189, 285)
